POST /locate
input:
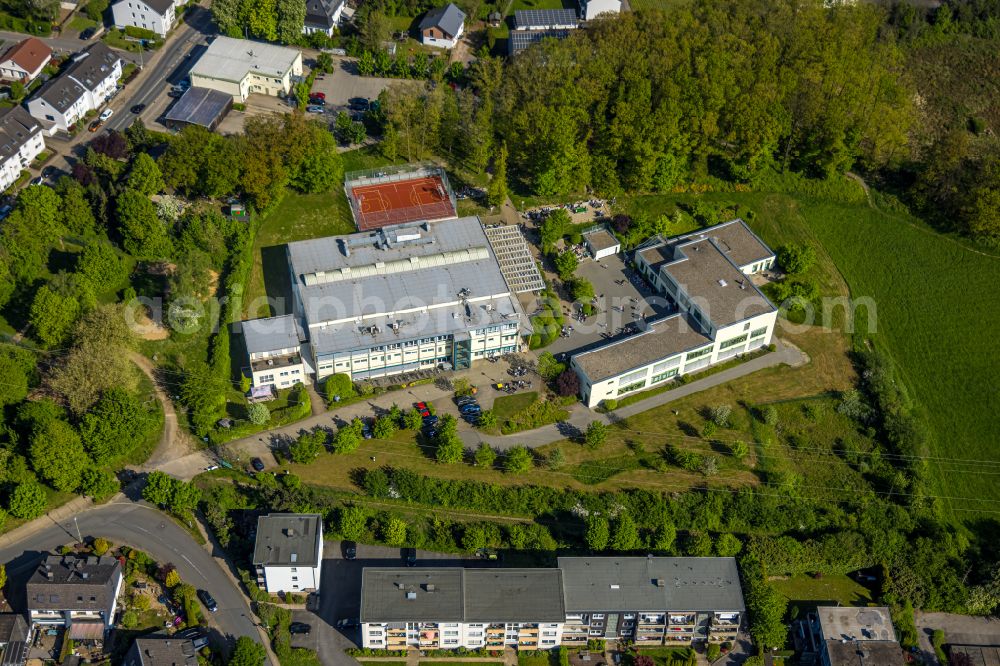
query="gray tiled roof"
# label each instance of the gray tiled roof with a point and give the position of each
(529, 19)
(651, 584)
(284, 539)
(162, 650)
(448, 18)
(200, 106)
(76, 583)
(665, 337)
(17, 127)
(61, 92)
(321, 12)
(271, 334)
(93, 66)
(462, 595)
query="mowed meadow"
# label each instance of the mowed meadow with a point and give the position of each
(938, 311)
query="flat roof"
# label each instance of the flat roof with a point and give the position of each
(856, 624)
(453, 594)
(229, 59)
(664, 338)
(715, 284)
(978, 655)
(200, 106)
(865, 653)
(271, 334)
(519, 40)
(517, 263)
(415, 272)
(601, 239)
(735, 239)
(284, 539)
(651, 584)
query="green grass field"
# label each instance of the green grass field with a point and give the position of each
(805, 591)
(936, 313)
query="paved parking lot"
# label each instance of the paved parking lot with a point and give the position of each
(341, 595)
(345, 82)
(958, 630)
(615, 302)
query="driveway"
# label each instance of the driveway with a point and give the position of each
(142, 527)
(958, 630)
(340, 596)
(344, 83)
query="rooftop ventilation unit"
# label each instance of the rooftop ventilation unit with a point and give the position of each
(660, 582)
(722, 283)
(411, 595)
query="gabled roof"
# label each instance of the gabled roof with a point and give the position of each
(73, 583)
(161, 7)
(321, 12)
(448, 18)
(28, 54)
(162, 650)
(61, 93)
(93, 66)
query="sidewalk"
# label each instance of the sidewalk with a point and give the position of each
(57, 515)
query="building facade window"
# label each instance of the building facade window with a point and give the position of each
(732, 342)
(698, 354)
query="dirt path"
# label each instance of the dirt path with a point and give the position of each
(174, 442)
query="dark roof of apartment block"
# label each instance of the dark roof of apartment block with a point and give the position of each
(286, 539)
(162, 650)
(321, 12)
(93, 65)
(73, 583)
(17, 127)
(651, 583)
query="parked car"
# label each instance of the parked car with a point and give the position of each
(5, 211)
(315, 109)
(318, 95)
(423, 409)
(366, 429)
(299, 628)
(257, 464)
(464, 400)
(88, 33)
(196, 635)
(208, 600)
(138, 108)
(410, 556)
(318, 101)
(37, 180)
(358, 104)
(175, 93)
(96, 125)
(430, 420)
(211, 468)
(350, 550)
(347, 623)
(106, 113)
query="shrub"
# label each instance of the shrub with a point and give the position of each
(258, 413)
(610, 404)
(101, 546)
(518, 460)
(568, 383)
(708, 429)
(768, 415)
(596, 433)
(338, 385)
(720, 414)
(140, 33)
(485, 456)
(487, 420)
(938, 640)
(713, 651)
(796, 259)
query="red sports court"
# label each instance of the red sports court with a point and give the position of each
(381, 198)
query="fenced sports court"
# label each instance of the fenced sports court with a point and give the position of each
(399, 194)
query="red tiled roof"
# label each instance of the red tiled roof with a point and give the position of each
(28, 54)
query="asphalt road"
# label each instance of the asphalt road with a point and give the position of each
(145, 528)
(169, 65)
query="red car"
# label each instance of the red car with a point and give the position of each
(317, 95)
(422, 408)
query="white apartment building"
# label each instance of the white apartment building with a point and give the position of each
(720, 313)
(274, 351)
(156, 15)
(78, 593)
(84, 86)
(288, 552)
(447, 608)
(21, 141)
(241, 67)
(403, 298)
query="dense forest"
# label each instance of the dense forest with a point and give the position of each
(660, 101)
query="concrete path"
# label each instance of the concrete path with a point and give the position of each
(261, 445)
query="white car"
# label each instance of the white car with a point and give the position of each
(105, 114)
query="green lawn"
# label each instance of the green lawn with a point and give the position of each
(936, 316)
(806, 591)
(537, 658)
(506, 406)
(81, 22)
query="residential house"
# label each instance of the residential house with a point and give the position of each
(442, 26)
(85, 86)
(78, 593)
(161, 650)
(242, 67)
(13, 640)
(288, 552)
(591, 9)
(707, 276)
(322, 16)
(274, 351)
(25, 60)
(849, 636)
(21, 141)
(447, 608)
(158, 16)
(651, 600)
(403, 298)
